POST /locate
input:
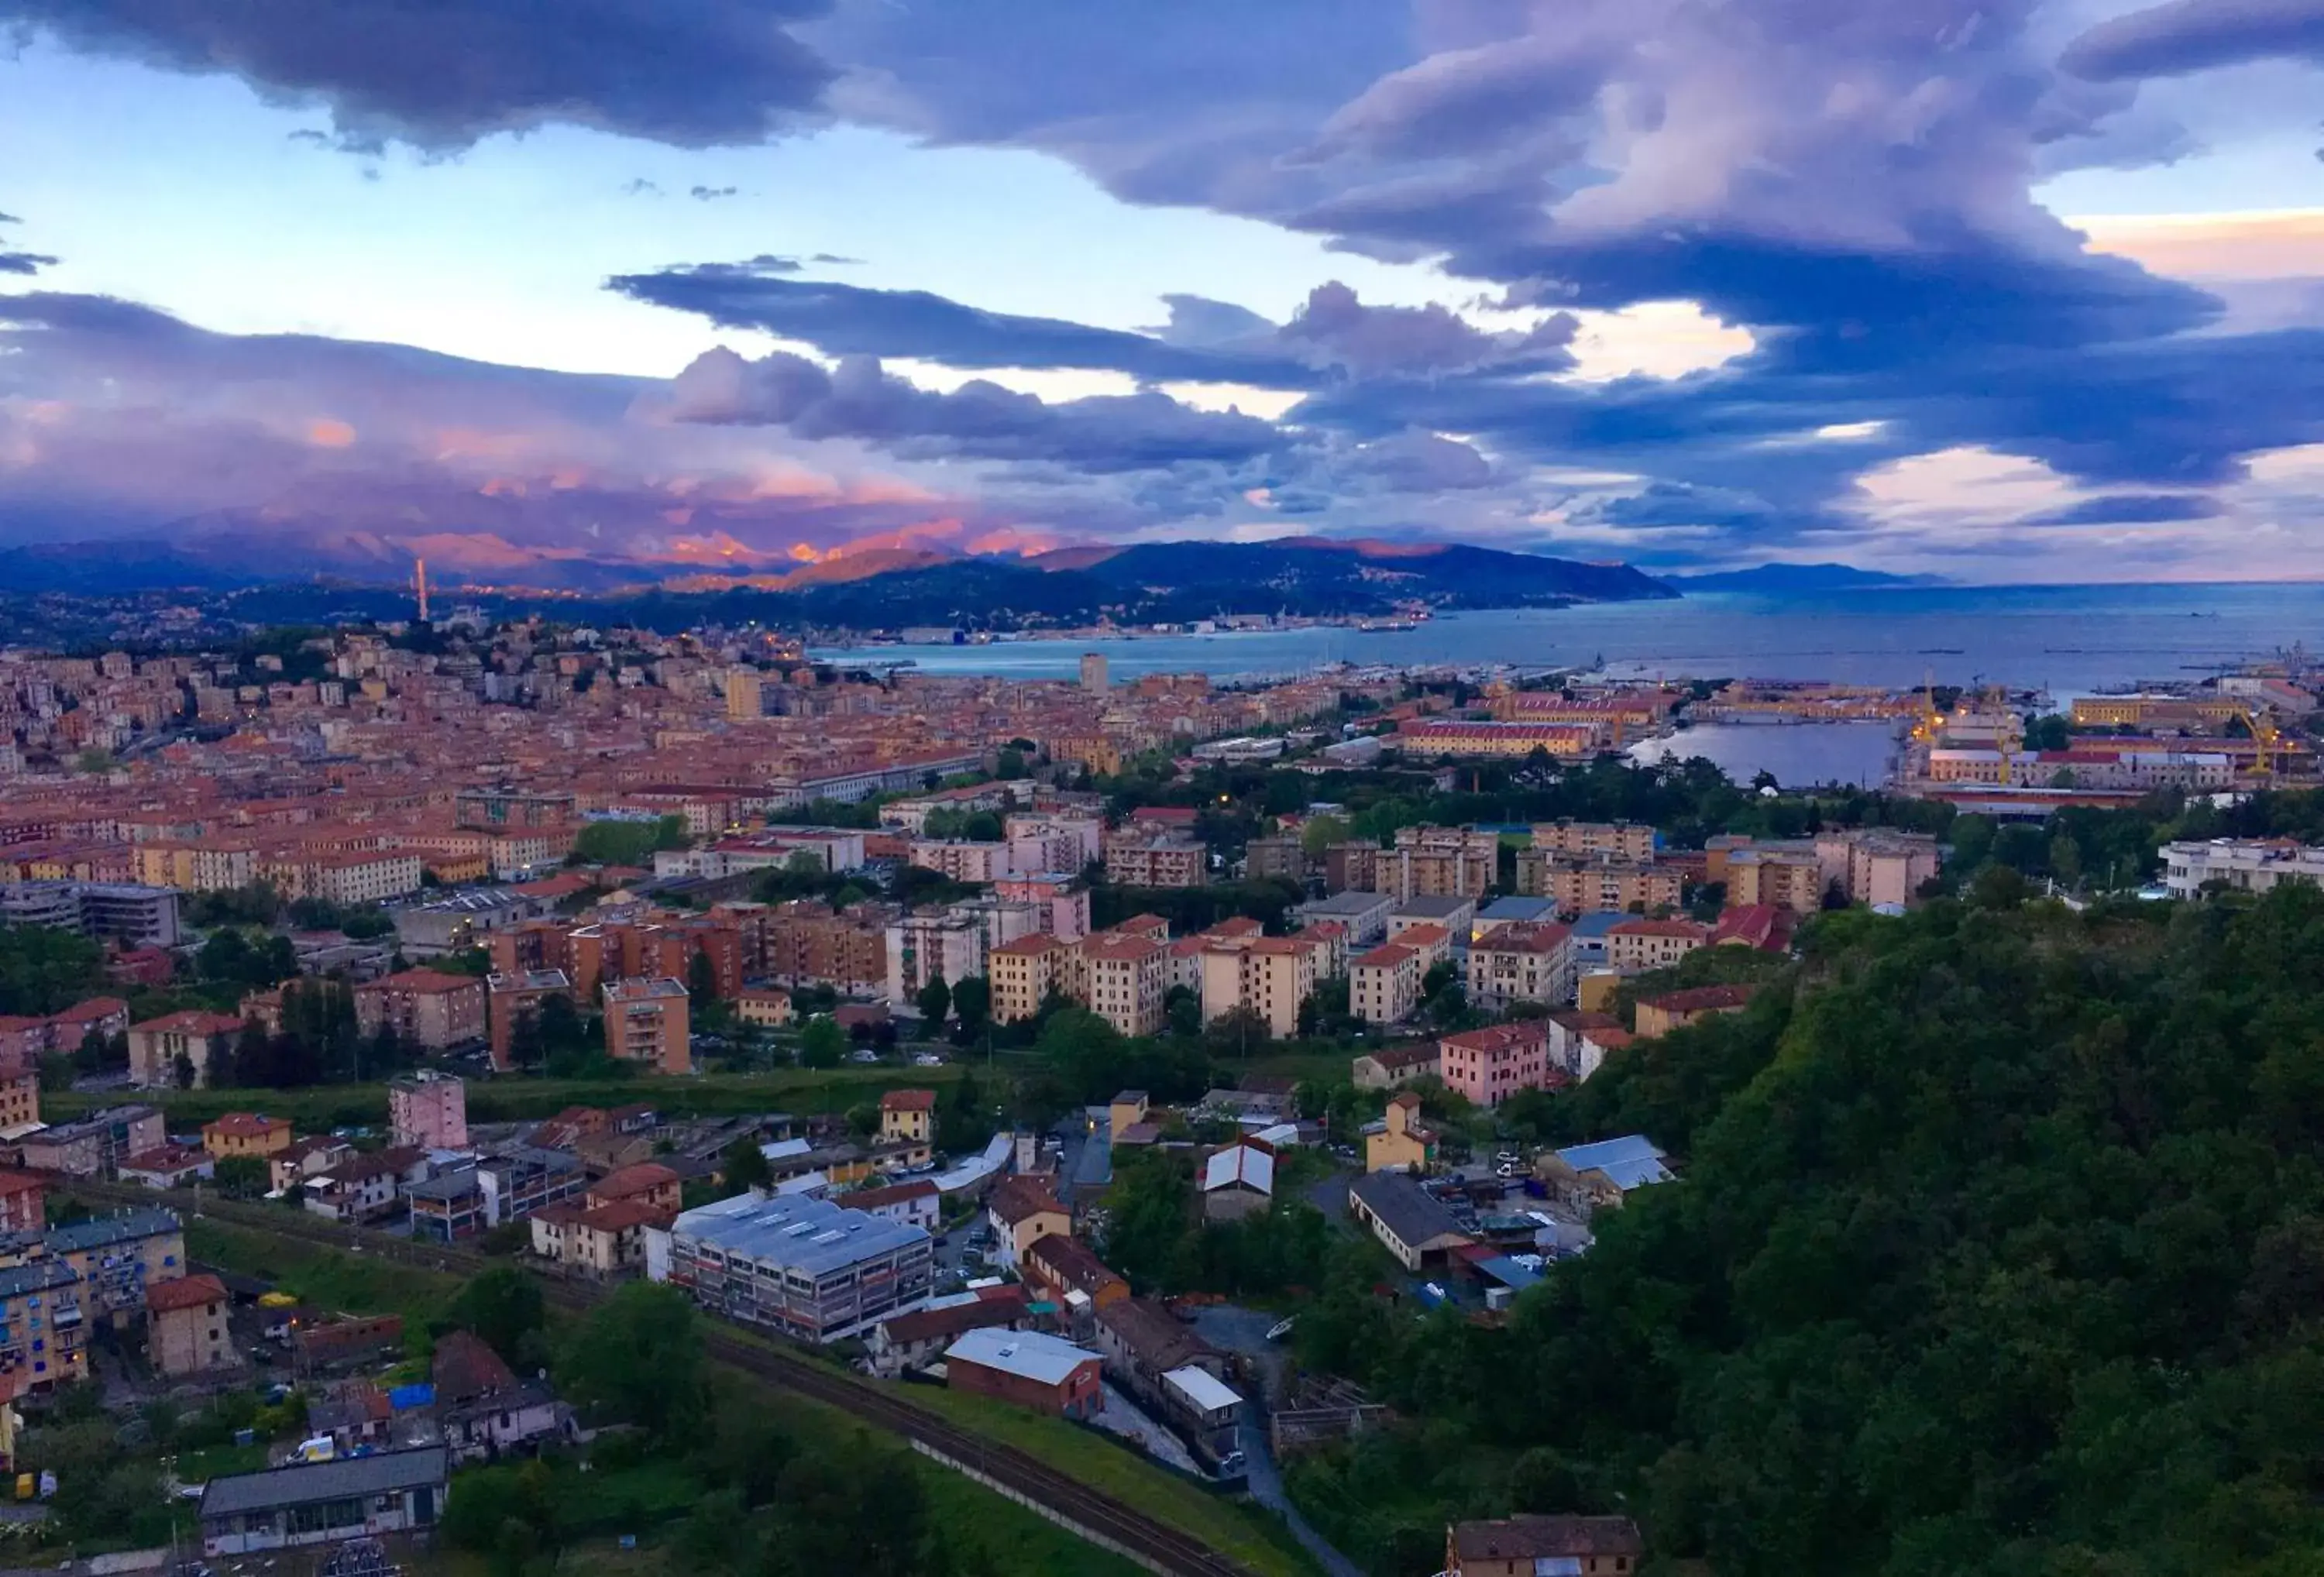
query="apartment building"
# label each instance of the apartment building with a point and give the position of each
(1124, 980)
(960, 860)
(1490, 1064)
(1062, 904)
(810, 1269)
(1024, 973)
(2240, 865)
(429, 1110)
(1283, 858)
(646, 1022)
(1784, 878)
(1634, 946)
(246, 1133)
(425, 1008)
(1619, 840)
(1136, 858)
(1599, 883)
(1876, 866)
(1521, 963)
(1384, 983)
(1269, 975)
(947, 945)
(1365, 914)
(96, 1145)
(1433, 862)
(511, 1000)
(157, 1046)
(352, 878)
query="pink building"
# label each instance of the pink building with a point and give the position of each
(1489, 1066)
(429, 1110)
(1064, 902)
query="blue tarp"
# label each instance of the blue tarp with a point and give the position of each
(402, 1399)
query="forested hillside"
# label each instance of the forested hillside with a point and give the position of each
(1999, 1249)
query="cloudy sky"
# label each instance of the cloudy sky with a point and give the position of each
(2001, 290)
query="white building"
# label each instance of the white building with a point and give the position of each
(2244, 864)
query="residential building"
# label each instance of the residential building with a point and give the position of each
(1283, 858)
(386, 1493)
(1659, 1015)
(20, 1093)
(1622, 840)
(1029, 1369)
(1411, 1225)
(913, 1339)
(306, 1157)
(116, 1256)
(1529, 1546)
(517, 1420)
(809, 1269)
(914, 1203)
(947, 945)
(1585, 884)
(42, 1325)
(1787, 878)
(1024, 973)
(1521, 963)
(173, 1165)
(1392, 1067)
(765, 1006)
(1876, 866)
(425, 1008)
(1384, 983)
(1448, 737)
(512, 999)
(909, 1114)
(129, 913)
(1075, 1277)
(429, 1110)
(518, 1181)
(24, 1202)
(1455, 915)
(447, 1207)
(1439, 862)
(1365, 914)
(1511, 911)
(2240, 865)
(1401, 1140)
(1062, 903)
(646, 1022)
(1021, 1211)
(1634, 947)
(95, 1145)
(1126, 1111)
(1270, 976)
(175, 1051)
(186, 1328)
(246, 1133)
(648, 1182)
(1489, 1066)
(1142, 859)
(1124, 978)
(598, 1240)
(1581, 1041)
(363, 1189)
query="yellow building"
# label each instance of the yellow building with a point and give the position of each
(768, 1007)
(1269, 975)
(1127, 1110)
(246, 1133)
(909, 1114)
(1024, 973)
(1401, 1142)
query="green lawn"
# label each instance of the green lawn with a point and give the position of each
(1242, 1531)
(509, 1100)
(218, 1462)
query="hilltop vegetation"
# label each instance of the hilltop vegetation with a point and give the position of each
(2000, 1248)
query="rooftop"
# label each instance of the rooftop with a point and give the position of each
(1546, 1538)
(351, 1478)
(187, 1292)
(1629, 1163)
(1046, 1359)
(811, 1236)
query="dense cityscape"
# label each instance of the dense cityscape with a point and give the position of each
(431, 1046)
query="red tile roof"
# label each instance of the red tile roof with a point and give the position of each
(188, 1292)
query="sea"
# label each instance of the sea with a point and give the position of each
(2066, 640)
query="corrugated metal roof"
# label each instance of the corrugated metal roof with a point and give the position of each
(307, 1483)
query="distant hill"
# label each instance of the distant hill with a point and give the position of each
(1312, 575)
(1802, 578)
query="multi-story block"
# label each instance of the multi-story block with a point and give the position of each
(429, 1110)
(246, 1133)
(95, 1145)
(1783, 878)
(1269, 975)
(1139, 859)
(177, 1050)
(1489, 1066)
(1124, 978)
(947, 945)
(1024, 973)
(424, 1007)
(810, 1269)
(1383, 984)
(646, 1022)
(1521, 963)
(511, 1000)
(1619, 839)
(1635, 946)
(1601, 883)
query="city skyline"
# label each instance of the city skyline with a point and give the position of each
(2017, 291)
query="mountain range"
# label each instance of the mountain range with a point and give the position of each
(860, 587)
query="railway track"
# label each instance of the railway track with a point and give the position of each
(1152, 1543)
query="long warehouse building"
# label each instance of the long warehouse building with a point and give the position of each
(810, 1269)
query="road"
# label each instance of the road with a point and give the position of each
(1244, 1331)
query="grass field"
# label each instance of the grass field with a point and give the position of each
(511, 1100)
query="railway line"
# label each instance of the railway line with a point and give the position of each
(1152, 1544)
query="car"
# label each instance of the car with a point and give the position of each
(927, 1059)
(867, 1056)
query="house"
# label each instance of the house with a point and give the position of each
(24, 1202)
(915, 1204)
(909, 1114)
(604, 1240)
(517, 1421)
(1238, 1180)
(1400, 1141)
(307, 1157)
(1602, 1173)
(765, 1006)
(246, 1133)
(317, 1503)
(1659, 1015)
(1126, 1109)
(186, 1330)
(1392, 1067)
(156, 1046)
(1634, 947)
(911, 1340)
(1143, 1341)
(355, 1414)
(1530, 1546)
(1410, 1225)
(1021, 1211)
(648, 1182)
(168, 1167)
(1580, 1042)
(341, 1343)
(465, 1366)
(361, 1190)
(1074, 1275)
(1046, 1374)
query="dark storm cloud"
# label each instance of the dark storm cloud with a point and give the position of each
(441, 74)
(852, 321)
(2135, 509)
(2198, 35)
(858, 399)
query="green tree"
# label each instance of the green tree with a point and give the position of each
(822, 1045)
(504, 1308)
(744, 1166)
(241, 1176)
(637, 1357)
(971, 1001)
(934, 1001)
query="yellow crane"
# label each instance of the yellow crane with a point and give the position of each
(2265, 737)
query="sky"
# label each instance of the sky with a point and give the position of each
(2002, 290)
